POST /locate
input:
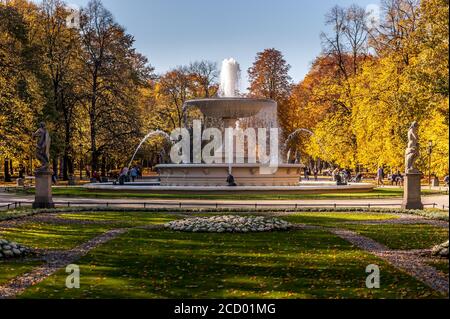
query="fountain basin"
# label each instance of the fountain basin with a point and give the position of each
(231, 107)
(216, 175)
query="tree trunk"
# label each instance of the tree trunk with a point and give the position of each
(71, 166)
(67, 169)
(103, 168)
(92, 124)
(55, 166)
(11, 169)
(61, 166)
(65, 164)
(94, 154)
(7, 174)
(94, 161)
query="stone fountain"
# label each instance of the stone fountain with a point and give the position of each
(230, 108)
(233, 111)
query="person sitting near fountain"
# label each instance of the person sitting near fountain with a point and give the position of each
(96, 177)
(347, 175)
(133, 173)
(230, 180)
(339, 180)
(123, 176)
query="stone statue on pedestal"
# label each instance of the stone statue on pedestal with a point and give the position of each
(43, 174)
(412, 152)
(412, 189)
(43, 147)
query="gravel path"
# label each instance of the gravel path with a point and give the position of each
(54, 261)
(409, 261)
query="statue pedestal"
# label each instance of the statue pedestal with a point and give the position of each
(43, 190)
(412, 197)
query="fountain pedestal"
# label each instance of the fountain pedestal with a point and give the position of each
(216, 175)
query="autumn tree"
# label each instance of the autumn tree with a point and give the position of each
(347, 42)
(394, 34)
(345, 49)
(369, 108)
(204, 75)
(175, 87)
(21, 101)
(112, 73)
(310, 102)
(269, 76)
(60, 46)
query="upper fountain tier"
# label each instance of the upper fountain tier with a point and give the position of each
(230, 107)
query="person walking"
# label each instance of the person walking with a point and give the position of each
(316, 173)
(54, 178)
(306, 174)
(380, 176)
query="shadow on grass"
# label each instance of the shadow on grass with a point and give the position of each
(166, 264)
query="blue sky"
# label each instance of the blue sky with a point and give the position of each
(176, 32)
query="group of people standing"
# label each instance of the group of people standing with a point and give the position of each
(395, 178)
(129, 174)
(344, 176)
(308, 172)
(341, 176)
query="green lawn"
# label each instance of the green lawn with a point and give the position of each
(82, 192)
(145, 263)
(441, 265)
(165, 264)
(122, 219)
(10, 214)
(52, 236)
(12, 268)
(335, 218)
(394, 236)
(418, 236)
